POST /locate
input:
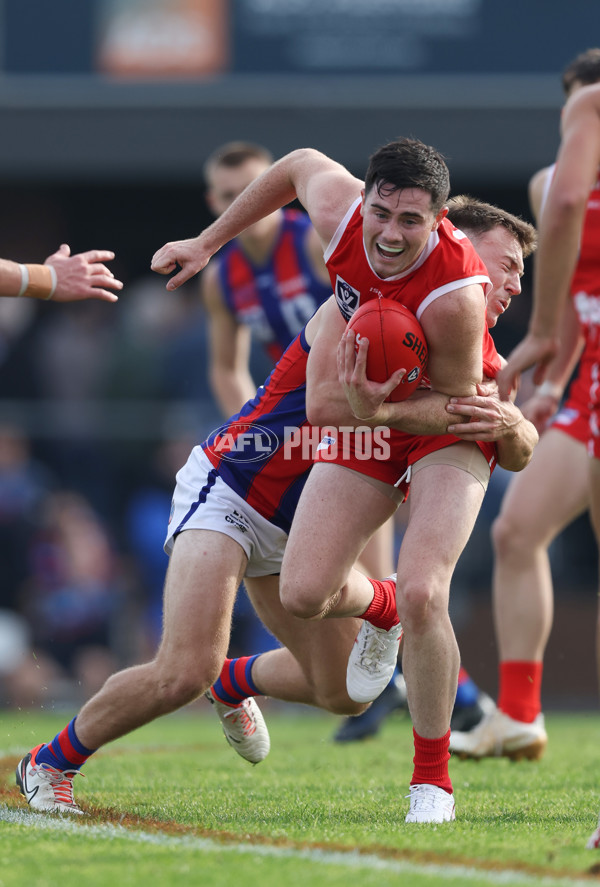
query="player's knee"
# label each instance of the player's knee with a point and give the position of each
(510, 538)
(332, 696)
(300, 599)
(417, 605)
(179, 688)
(341, 704)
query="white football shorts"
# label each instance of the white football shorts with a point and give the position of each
(203, 501)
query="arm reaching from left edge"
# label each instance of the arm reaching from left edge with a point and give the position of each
(62, 277)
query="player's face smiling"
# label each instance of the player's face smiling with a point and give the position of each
(503, 257)
(396, 226)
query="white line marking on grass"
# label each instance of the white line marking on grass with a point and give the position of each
(350, 859)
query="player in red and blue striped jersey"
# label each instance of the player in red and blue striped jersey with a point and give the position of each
(249, 449)
(264, 285)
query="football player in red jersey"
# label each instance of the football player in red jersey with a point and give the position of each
(537, 505)
(387, 236)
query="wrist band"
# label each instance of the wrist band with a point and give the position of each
(54, 280)
(549, 389)
(24, 280)
(38, 281)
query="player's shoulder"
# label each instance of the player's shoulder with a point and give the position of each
(456, 250)
(538, 187)
(541, 175)
(329, 196)
(539, 179)
(453, 237)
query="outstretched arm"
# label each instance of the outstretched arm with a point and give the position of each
(62, 277)
(323, 187)
(560, 231)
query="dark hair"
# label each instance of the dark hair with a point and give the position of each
(585, 69)
(474, 216)
(234, 154)
(408, 163)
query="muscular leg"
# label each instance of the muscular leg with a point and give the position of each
(311, 667)
(444, 502)
(540, 502)
(204, 573)
(337, 514)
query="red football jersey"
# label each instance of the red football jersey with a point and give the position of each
(579, 416)
(447, 263)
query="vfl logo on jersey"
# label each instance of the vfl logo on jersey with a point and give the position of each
(242, 442)
(347, 298)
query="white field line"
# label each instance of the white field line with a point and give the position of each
(350, 859)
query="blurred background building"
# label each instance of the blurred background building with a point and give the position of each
(107, 110)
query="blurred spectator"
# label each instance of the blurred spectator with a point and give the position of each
(16, 316)
(25, 677)
(72, 351)
(24, 484)
(74, 594)
(150, 320)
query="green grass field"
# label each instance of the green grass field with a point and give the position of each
(173, 804)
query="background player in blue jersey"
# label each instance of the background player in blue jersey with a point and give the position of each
(264, 285)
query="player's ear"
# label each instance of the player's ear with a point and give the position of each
(363, 195)
(440, 216)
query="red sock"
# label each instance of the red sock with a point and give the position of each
(520, 690)
(382, 612)
(235, 683)
(431, 761)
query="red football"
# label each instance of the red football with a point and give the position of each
(396, 341)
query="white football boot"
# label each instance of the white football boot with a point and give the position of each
(499, 736)
(430, 803)
(372, 661)
(244, 728)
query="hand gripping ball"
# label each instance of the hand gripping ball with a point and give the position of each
(396, 341)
